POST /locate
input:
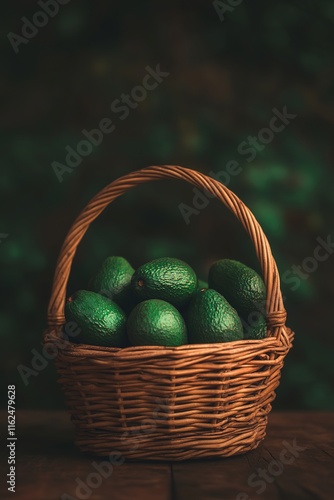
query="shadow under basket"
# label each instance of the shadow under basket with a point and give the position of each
(170, 403)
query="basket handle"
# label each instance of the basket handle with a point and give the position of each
(276, 314)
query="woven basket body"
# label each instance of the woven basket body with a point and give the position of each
(170, 403)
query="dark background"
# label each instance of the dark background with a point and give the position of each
(225, 77)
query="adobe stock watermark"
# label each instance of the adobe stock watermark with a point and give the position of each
(294, 276)
(40, 360)
(262, 477)
(160, 413)
(222, 7)
(30, 28)
(101, 471)
(121, 107)
(131, 440)
(250, 147)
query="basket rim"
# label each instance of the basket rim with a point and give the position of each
(53, 336)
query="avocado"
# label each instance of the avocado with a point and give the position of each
(113, 281)
(156, 322)
(102, 322)
(210, 318)
(256, 327)
(166, 279)
(242, 287)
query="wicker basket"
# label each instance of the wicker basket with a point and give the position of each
(170, 403)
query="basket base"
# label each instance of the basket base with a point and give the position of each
(176, 448)
(188, 402)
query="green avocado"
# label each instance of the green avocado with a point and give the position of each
(101, 321)
(243, 288)
(210, 318)
(166, 279)
(156, 322)
(113, 280)
(256, 327)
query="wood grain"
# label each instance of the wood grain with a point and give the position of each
(309, 475)
(48, 465)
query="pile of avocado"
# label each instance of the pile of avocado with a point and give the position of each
(163, 303)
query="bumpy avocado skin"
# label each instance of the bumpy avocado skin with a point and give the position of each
(166, 279)
(101, 321)
(113, 280)
(156, 322)
(210, 318)
(242, 287)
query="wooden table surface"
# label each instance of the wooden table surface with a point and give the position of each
(296, 460)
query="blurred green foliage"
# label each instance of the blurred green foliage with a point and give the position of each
(225, 79)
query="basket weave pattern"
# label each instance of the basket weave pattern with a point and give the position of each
(170, 403)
